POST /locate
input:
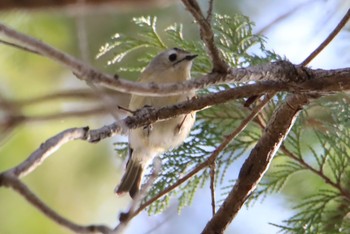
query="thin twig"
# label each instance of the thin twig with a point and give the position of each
(210, 10)
(86, 72)
(10, 180)
(57, 141)
(207, 35)
(107, 101)
(160, 224)
(211, 158)
(212, 186)
(19, 47)
(326, 179)
(284, 16)
(94, 111)
(330, 37)
(81, 94)
(82, 31)
(14, 120)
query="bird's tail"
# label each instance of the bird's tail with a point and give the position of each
(131, 181)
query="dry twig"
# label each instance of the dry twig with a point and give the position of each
(10, 180)
(212, 168)
(330, 37)
(207, 34)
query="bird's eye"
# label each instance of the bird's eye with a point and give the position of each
(172, 57)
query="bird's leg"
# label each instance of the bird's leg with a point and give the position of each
(126, 109)
(147, 129)
(178, 127)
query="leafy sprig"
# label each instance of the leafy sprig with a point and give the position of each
(326, 209)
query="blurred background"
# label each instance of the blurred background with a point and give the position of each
(39, 98)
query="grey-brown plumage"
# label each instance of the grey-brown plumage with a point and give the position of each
(131, 180)
(145, 143)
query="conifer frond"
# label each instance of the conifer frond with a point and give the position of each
(326, 209)
(318, 213)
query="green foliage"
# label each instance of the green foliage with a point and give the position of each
(319, 213)
(320, 154)
(235, 38)
(232, 33)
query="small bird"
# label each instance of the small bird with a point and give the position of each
(145, 143)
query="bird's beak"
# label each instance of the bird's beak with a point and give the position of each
(191, 57)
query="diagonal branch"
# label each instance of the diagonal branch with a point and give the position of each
(210, 10)
(54, 143)
(284, 16)
(212, 172)
(257, 163)
(207, 34)
(343, 190)
(330, 37)
(46, 149)
(10, 180)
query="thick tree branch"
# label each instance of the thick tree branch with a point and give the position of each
(278, 71)
(320, 82)
(257, 163)
(330, 81)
